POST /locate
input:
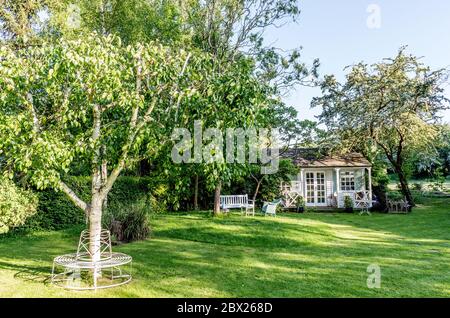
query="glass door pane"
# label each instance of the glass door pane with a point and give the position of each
(310, 187)
(320, 188)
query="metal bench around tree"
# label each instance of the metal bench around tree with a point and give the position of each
(242, 202)
(78, 271)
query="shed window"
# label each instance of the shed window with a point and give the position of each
(348, 181)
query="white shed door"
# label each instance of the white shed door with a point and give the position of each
(315, 189)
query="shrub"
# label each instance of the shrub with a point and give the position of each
(135, 225)
(129, 222)
(395, 195)
(16, 205)
(348, 202)
(418, 198)
(55, 212)
(300, 201)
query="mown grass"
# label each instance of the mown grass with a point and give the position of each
(292, 255)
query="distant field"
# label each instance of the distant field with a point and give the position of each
(424, 182)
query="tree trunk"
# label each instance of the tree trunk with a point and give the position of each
(95, 226)
(196, 193)
(258, 184)
(380, 192)
(404, 186)
(398, 167)
(104, 176)
(217, 198)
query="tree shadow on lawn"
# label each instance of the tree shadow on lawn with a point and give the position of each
(428, 221)
(23, 253)
(305, 231)
(186, 269)
(284, 259)
(29, 273)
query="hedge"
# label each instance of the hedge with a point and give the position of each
(55, 211)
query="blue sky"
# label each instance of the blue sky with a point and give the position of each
(337, 33)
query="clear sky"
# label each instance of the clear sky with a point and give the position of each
(337, 32)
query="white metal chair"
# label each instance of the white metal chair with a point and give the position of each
(270, 208)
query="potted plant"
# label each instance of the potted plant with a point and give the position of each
(300, 203)
(348, 204)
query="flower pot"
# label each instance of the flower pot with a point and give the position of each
(300, 209)
(348, 210)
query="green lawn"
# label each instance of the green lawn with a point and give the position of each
(309, 255)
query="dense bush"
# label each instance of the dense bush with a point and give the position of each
(16, 205)
(130, 223)
(395, 195)
(55, 211)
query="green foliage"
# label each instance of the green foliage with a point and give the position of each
(72, 79)
(348, 202)
(19, 20)
(16, 205)
(300, 201)
(132, 20)
(309, 135)
(433, 160)
(55, 211)
(128, 221)
(135, 224)
(270, 186)
(92, 81)
(395, 195)
(129, 206)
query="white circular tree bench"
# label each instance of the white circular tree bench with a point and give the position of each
(77, 271)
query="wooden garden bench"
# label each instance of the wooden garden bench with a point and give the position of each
(242, 202)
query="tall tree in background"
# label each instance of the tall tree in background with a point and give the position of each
(389, 106)
(233, 29)
(131, 20)
(20, 20)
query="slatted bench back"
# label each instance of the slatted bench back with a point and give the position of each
(233, 201)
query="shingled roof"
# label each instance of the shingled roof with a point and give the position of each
(313, 158)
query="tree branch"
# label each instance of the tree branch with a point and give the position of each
(72, 196)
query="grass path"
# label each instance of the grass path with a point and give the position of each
(292, 255)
